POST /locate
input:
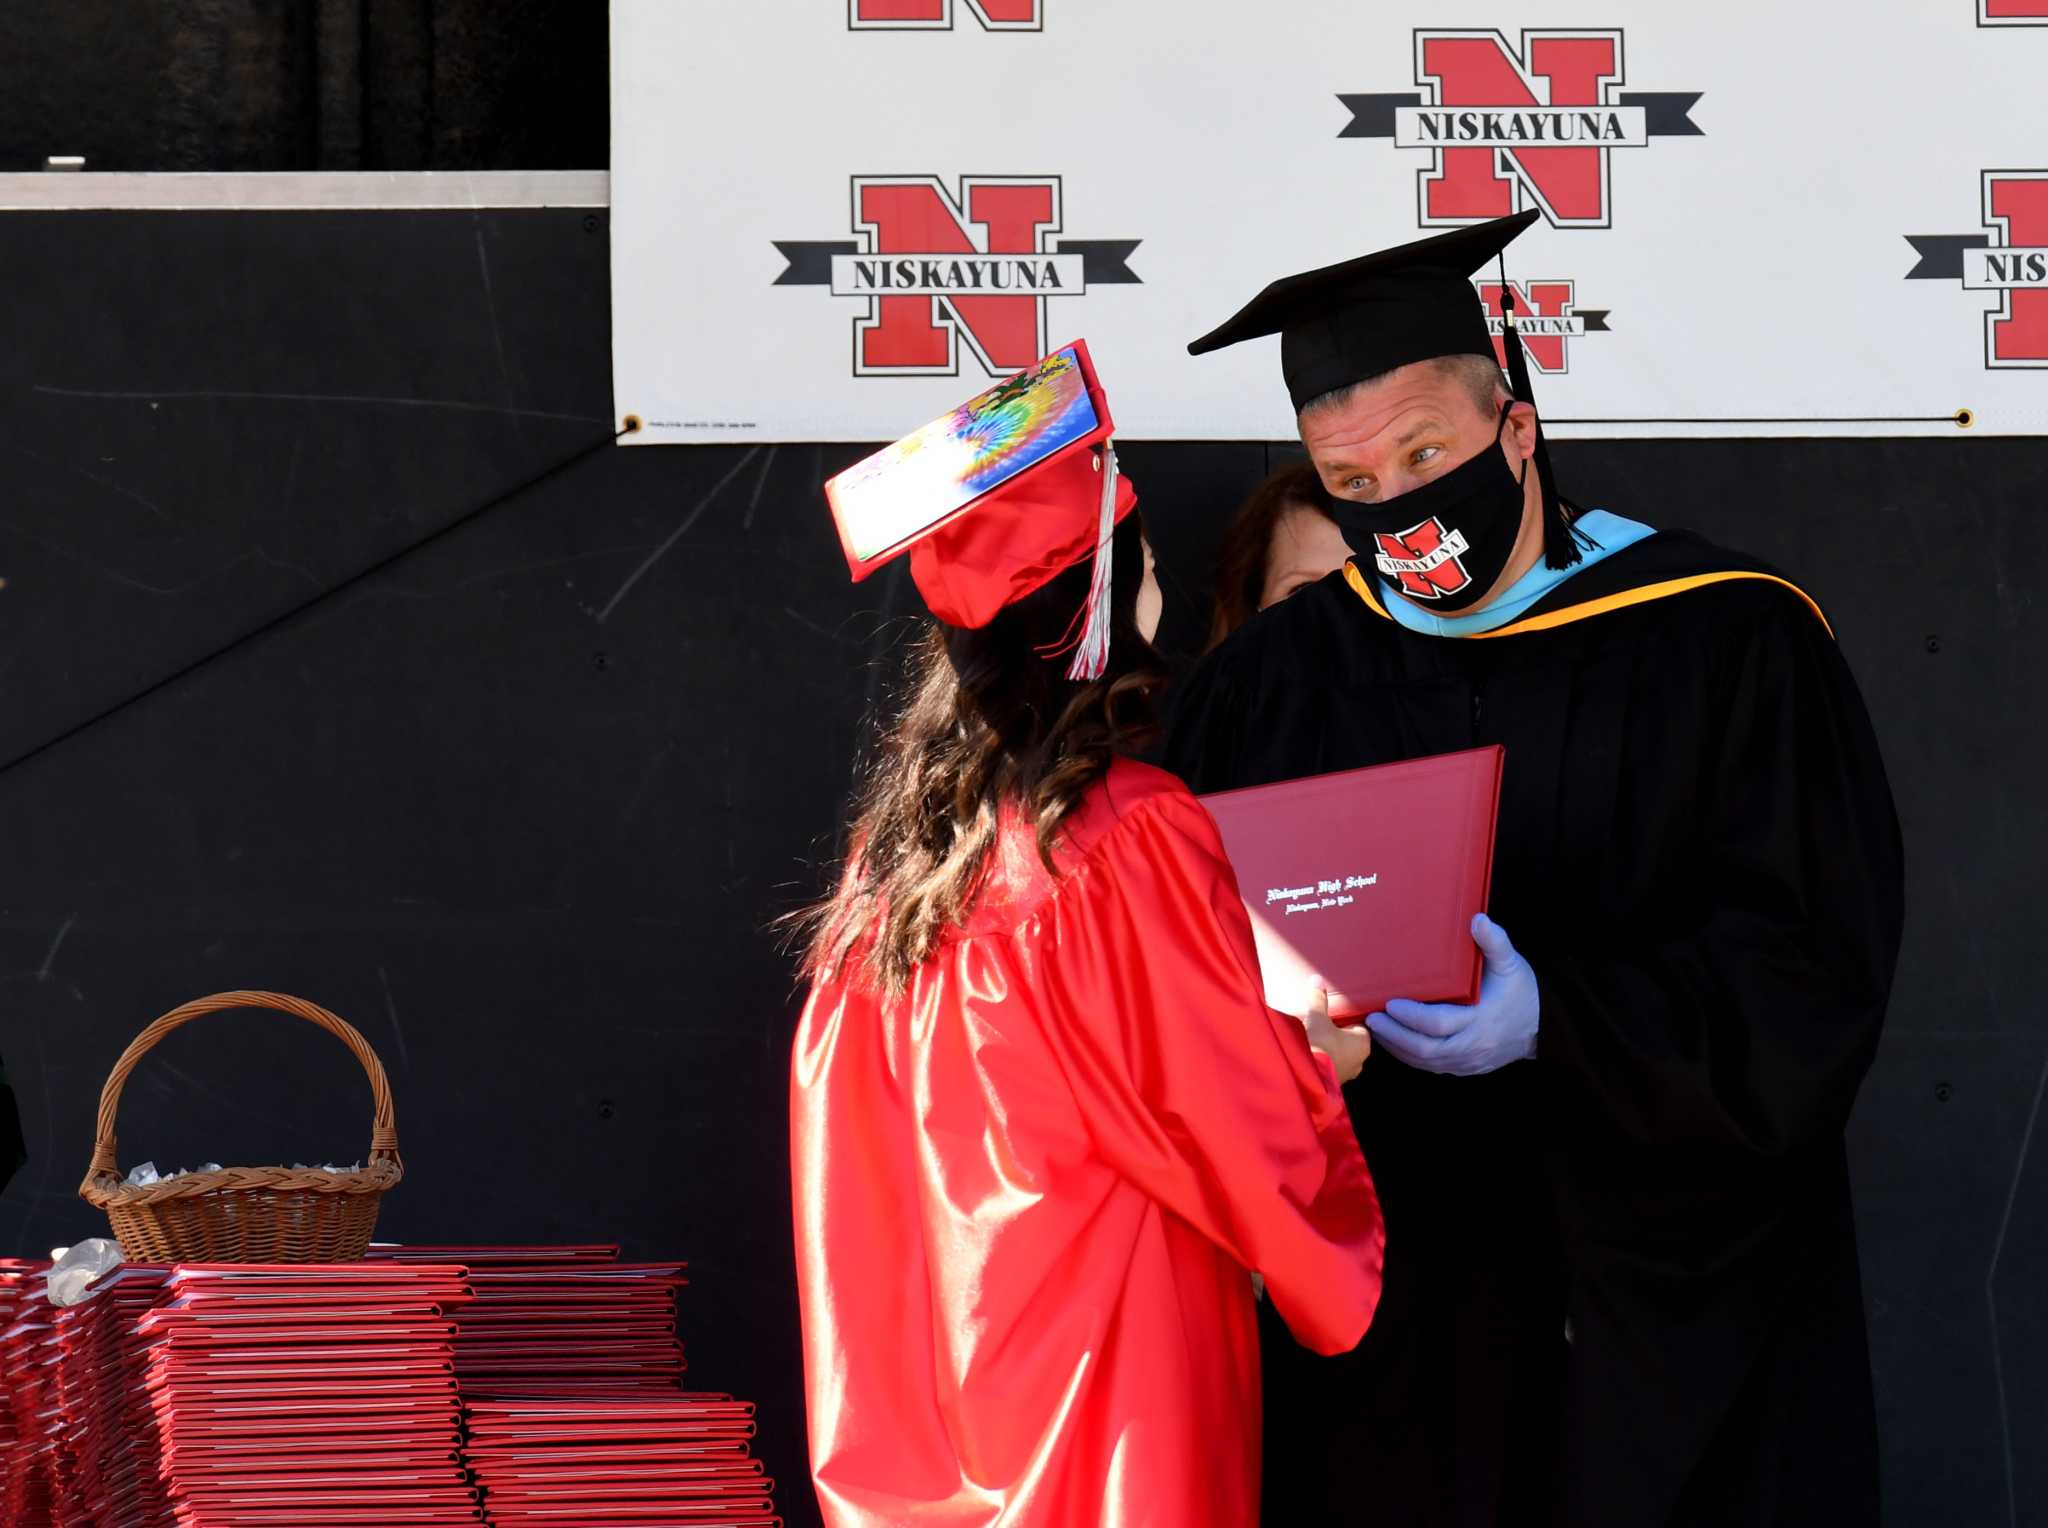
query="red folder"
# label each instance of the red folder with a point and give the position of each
(1369, 878)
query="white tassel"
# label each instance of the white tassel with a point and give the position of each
(1091, 655)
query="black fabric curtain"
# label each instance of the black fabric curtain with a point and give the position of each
(308, 85)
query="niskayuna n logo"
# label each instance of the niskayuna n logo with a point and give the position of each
(1546, 316)
(937, 15)
(1425, 560)
(1509, 128)
(933, 271)
(2011, 260)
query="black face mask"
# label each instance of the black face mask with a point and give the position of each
(1443, 545)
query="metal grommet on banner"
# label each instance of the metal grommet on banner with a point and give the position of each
(632, 422)
(1965, 418)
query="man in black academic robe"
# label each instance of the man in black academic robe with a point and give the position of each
(1621, 1278)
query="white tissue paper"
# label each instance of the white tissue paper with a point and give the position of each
(80, 1267)
(145, 1173)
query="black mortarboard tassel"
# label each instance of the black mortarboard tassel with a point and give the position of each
(1560, 540)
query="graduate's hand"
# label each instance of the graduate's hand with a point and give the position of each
(1467, 1041)
(1346, 1048)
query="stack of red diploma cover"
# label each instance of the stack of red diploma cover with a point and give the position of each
(67, 1452)
(202, 1397)
(551, 1320)
(425, 1386)
(24, 1322)
(572, 1378)
(106, 1458)
(316, 1396)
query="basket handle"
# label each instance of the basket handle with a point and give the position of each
(383, 1125)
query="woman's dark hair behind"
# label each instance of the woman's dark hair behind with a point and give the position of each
(988, 721)
(1242, 559)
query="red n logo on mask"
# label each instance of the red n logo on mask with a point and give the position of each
(1441, 571)
(913, 216)
(2016, 206)
(1477, 69)
(937, 15)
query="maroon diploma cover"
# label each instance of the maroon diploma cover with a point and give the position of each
(1369, 878)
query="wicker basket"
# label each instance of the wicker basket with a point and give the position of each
(246, 1214)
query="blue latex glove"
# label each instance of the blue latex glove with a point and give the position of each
(1468, 1041)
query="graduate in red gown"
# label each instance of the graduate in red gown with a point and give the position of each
(1044, 1128)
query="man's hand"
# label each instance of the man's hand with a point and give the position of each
(1467, 1041)
(1346, 1048)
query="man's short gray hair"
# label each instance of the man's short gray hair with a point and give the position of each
(1479, 375)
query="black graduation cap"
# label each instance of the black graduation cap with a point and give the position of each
(1359, 318)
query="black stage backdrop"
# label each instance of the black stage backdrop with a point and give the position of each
(308, 85)
(521, 804)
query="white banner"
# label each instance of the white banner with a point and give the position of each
(834, 219)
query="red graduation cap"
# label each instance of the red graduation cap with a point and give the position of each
(996, 498)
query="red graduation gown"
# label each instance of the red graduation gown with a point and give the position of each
(1027, 1193)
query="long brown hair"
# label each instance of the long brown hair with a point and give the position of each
(1247, 549)
(987, 722)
